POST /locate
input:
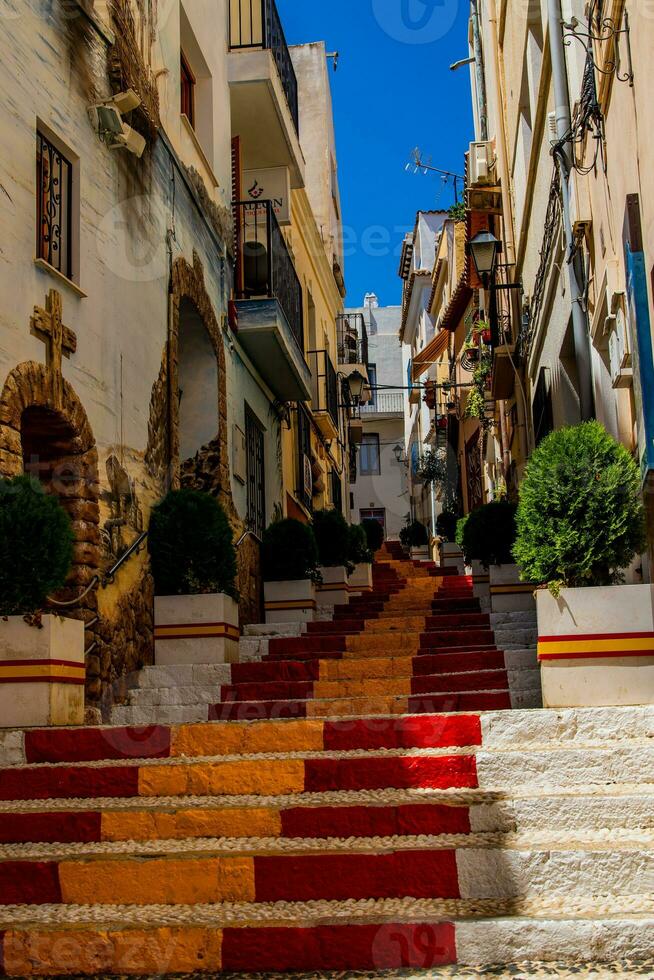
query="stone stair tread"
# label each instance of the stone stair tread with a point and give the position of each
(548, 841)
(521, 910)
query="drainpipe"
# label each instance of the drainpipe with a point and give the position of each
(563, 156)
(480, 76)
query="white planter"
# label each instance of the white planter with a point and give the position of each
(420, 554)
(333, 591)
(290, 602)
(195, 629)
(42, 672)
(361, 579)
(508, 593)
(596, 646)
(451, 555)
(480, 580)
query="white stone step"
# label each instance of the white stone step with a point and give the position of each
(140, 716)
(616, 808)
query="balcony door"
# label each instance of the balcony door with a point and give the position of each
(256, 482)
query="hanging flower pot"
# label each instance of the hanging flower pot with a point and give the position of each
(430, 397)
(441, 422)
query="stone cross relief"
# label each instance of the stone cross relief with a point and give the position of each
(59, 341)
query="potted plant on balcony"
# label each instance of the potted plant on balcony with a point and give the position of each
(482, 331)
(580, 523)
(194, 568)
(486, 537)
(360, 556)
(290, 572)
(415, 536)
(333, 540)
(41, 654)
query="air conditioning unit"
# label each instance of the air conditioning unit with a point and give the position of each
(308, 475)
(619, 354)
(481, 163)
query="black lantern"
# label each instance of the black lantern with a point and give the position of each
(357, 383)
(484, 249)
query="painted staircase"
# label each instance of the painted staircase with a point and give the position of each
(363, 801)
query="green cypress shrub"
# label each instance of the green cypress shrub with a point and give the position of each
(581, 518)
(374, 533)
(332, 537)
(414, 535)
(446, 525)
(289, 552)
(191, 545)
(359, 552)
(36, 546)
(488, 533)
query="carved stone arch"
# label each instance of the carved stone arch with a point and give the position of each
(52, 438)
(209, 469)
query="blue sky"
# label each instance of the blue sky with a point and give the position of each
(390, 94)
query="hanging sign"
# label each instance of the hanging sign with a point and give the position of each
(270, 184)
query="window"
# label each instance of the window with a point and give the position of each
(54, 206)
(372, 379)
(370, 461)
(336, 491)
(188, 91)
(304, 462)
(255, 469)
(542, 407)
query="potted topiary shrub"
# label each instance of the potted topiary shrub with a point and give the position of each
(449, 550)
(360, 556)
(415, 537)
(581, 522)
(290, 571)
(42, 654)
(374, 532)
(487, 537)
(194, 568)
(333, 539)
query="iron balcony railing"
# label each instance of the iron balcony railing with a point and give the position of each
(385, 403)
(256, 24)
(264, 267)
(324, 393)
(352, 337)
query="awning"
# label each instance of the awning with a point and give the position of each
(431, 353)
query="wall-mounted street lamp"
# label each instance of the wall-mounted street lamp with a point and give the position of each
(400, 454)
(356, 382)
(485, 249)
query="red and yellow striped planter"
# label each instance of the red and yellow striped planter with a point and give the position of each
(42, 672)
(195, 629)
(596, 646)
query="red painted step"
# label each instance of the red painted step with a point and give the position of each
(372, 821)
(339, 948)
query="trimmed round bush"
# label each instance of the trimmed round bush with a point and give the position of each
(36, 546)
(332, 537)
(581, 518)
(446, 525)
(289, 551)
(359, 552)
(191, 545)
(488, 534)
(414, 535)
(374, 533)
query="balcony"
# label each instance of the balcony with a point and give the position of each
(384, 403)
(352, 340)
(263, 89)
(269, 302)
(324, 393)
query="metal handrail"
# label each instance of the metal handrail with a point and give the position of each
(106, 579)
(248, 534)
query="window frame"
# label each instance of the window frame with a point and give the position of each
(187, 85)
(367, 470)
(43, 255)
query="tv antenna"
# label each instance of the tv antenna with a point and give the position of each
(419, 164)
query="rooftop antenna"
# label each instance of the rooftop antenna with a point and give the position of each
(418, 163)
(334, 55)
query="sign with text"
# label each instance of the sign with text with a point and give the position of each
(271, 184)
